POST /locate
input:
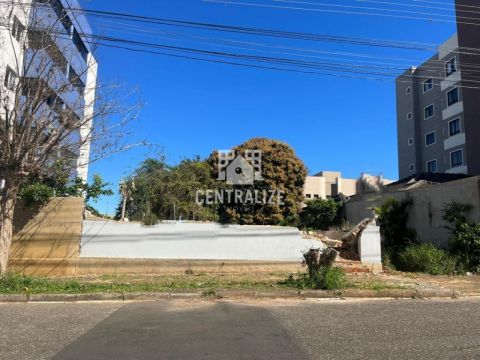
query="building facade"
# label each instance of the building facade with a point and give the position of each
(48, 35)
(330, 184)
(438, 104)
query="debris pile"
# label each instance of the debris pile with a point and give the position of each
(346, 247)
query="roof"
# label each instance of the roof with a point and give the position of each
(438, 178)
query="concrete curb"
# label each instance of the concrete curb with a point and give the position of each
(234, 294)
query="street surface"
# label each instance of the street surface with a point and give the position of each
(390, 329)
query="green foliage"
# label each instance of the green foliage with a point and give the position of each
(465, 243)
(393, 218)
(38, 190)
(96, 189)
(326, 278)
(282, 171)
(322, 214)
(331, 278)
(465, 239)
(150, 219)
(168, 191)
(35, 193)
(455, 214)
(426, 258)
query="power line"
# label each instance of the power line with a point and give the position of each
(339, 70)
(346, 12)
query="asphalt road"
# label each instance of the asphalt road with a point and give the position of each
(242, 330)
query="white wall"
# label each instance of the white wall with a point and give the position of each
(193, 241)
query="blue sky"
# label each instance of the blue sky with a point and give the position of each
(191, 108)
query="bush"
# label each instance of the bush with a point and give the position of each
(393, 218)
(322, 214)
(426, 258)
(465, 240)
(331, 278)
(150, 219)
(36, 193)
(465, 244)
(327, 278)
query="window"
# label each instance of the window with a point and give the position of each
(429, 111)
(430, 139)
(454, 127)
(408, 90)
(456, 158)
(452, 97)
(61, 13)
(409, 116)
(410, 141)
(18, 29)
(42, 40)
(411, 168)
(76, 81)
(308, 196)
(68, 25)
(451, 67)
(10, 79)
(432, 166)
(427, 85)
(77, 40)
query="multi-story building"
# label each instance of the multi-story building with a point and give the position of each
(330, 184)
(48, 33)
(438, 104)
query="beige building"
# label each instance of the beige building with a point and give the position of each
(328, 184)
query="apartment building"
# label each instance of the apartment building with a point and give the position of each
(40, 32)
(438, 104)
(330, 184)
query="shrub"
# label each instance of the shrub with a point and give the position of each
(465, 240)
(426, 258)
(36, 193)
(322, 214)
(393, 218)
(331, 278)
(326, 278)
(150, 219)
(465, 244)
(454, 214)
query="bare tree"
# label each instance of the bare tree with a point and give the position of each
(51, 105)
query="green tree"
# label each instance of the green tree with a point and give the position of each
(168, 192)
(322, 214)
(282, 171)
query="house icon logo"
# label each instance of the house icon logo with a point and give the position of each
(238, 169)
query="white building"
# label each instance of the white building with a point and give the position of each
(68, 50)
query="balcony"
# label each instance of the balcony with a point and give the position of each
(454, 141)
(451, 80)
(46, 20)
(452, 110)
(42, 66)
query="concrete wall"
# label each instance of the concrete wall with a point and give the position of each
(428, 203)
(50, 233)
(192, 241)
